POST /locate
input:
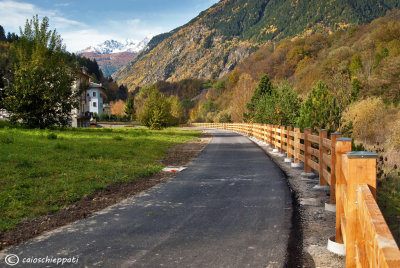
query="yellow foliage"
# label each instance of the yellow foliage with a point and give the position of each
(242, 94)
(118, 107)
(394, 137)
(270, 29)
(368, 119)
(342, 25)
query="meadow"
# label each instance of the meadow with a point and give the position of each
(45, 170)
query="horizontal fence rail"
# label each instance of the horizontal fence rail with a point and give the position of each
(352, 178)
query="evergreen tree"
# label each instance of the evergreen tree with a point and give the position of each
(280, 107)
(130, 108)
(2, 34)
(155, 112)
(11, 37)
(41, 93)
(264, 88)
(122, 93)
(320, 110)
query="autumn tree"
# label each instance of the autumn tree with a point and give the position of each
(241, 95)
(40, 94)
(117, 107)
(177, 110)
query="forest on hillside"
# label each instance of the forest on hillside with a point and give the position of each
(215, 41)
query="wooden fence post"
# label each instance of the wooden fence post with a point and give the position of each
(270, 134)
(289, 148)
(361, 170)
(323, 134)
(343, 146)
(282, 140)
(296, 145)
(334, 137)
(275, 135)
(264, 133)
(307, 155)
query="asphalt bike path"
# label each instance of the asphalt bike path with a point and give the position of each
(231, 207)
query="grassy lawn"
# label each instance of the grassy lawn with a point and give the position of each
(45, 170)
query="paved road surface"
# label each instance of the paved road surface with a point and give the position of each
(230, 208)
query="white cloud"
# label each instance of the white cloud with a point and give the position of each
(15, 14)
(61, 22)
(76, 34)
(62, 4)
(133, 28)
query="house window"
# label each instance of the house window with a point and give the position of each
(101, 95)
(94, 104)
(94, 94)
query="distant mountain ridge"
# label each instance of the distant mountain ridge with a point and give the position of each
(214, 42)
(114, 46)
(111, 55)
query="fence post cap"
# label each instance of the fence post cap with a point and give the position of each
(344, 139)
(323, 129)
(288, 126)
(336, 133)
(362, 154)
(296, 127)
(307, 128)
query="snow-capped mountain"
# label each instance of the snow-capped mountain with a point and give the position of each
(112, 54)
(114, 46)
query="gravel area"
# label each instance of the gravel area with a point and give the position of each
(317, 224)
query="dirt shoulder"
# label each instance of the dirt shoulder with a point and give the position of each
(180, 155)
(316, 224)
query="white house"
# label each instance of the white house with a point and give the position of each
(80, 117)
(90, 102)
(95, 94)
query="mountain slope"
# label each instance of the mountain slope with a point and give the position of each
(111, 55)
(219, 38)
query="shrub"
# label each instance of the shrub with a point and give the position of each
(366, 116)
(104, 117)
(225, 118)
(394, 137)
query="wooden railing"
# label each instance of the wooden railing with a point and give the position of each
(359, 222)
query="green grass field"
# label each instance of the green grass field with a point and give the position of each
(45, 170)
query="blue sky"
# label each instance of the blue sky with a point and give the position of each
(86, 22)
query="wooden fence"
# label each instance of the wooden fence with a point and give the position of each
(352, 177)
